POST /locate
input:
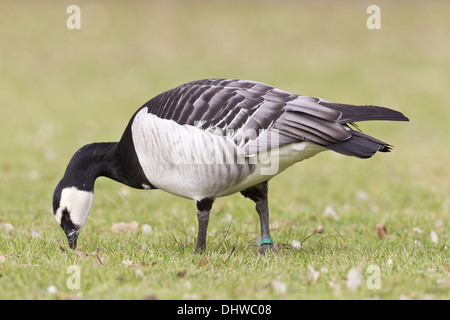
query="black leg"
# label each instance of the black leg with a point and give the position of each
(203, 209)
(258, 194)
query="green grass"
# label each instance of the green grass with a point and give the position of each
(61, 89)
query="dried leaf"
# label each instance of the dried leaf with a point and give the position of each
(52, 289)
(329, 212)
(361, 195)
(434, 237)
(150, 296)
(146, 229)
(80, 254)
(296, 244)
(6, 226)
(62, 248)
(35, 235)
(324, 270)
(203, 262)
(128, 263)
(381, 230)
(99, 260)
(390, 262)
(276, 247)
(139, 273)
(124, 226)
(312, 274)
(117, 226)
(354, 279)
(180, 274)
(279, 286)
(187, 285)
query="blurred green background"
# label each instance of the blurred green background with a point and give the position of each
(61, 89)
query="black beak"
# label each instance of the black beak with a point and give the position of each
(70, 229)
(72, 237)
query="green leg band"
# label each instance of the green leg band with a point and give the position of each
(266, 241)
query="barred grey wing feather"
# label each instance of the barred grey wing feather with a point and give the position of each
(253, 111)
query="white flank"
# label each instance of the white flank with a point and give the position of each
(182, 159)
(194, 163)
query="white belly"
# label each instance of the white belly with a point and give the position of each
(185, 160)
(195, 164)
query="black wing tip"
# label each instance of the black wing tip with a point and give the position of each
(403, 118)
(383, 113)
(355, 113)
(389, 114)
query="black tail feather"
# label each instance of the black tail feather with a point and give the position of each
(360, 145)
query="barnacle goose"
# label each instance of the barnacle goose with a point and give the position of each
(212, 138)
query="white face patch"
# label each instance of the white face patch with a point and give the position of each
(78, 203)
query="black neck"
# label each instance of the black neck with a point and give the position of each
(109, 160)
(93, 161)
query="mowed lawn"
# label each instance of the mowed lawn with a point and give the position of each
(344, 228)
